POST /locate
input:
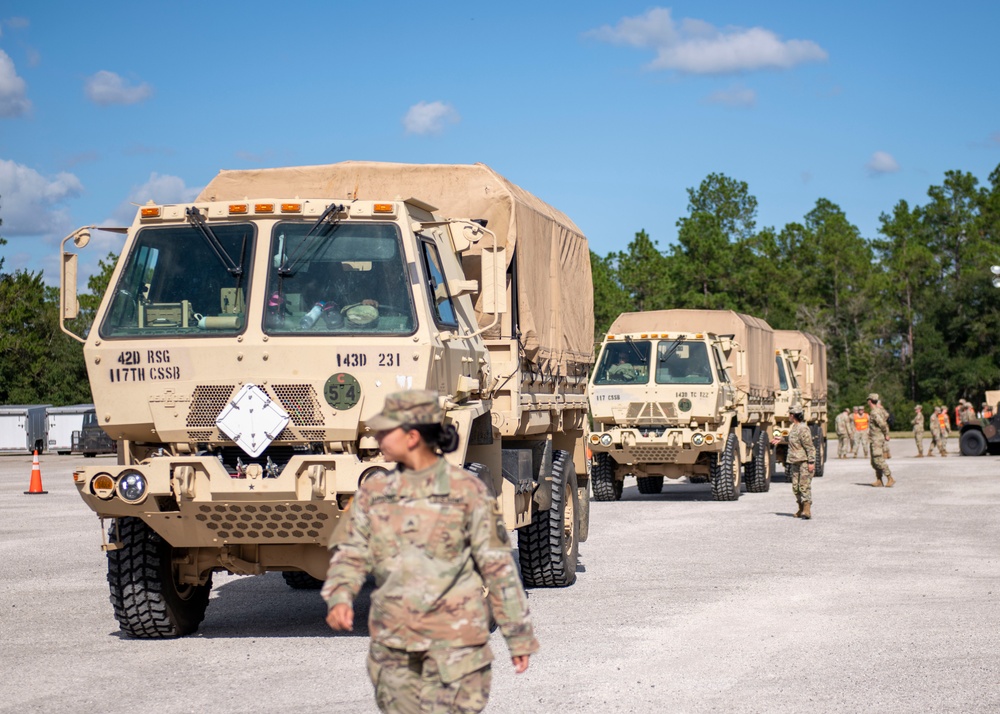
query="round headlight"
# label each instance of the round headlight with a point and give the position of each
(605, 439)
(776, 433)
(132, 486)
(368, 473)
(784, 432)
(698, 439)
(709, 438)
(103, 486)
(595, 438)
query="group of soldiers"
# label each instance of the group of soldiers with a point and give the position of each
(854, 430)
(940, 429)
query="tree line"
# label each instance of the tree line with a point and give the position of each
(910, 313)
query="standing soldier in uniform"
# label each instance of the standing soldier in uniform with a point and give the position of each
(800, 463)
(860, 431)
(844, 428)
(878, 435)
(945, 430)
(433, 537)
(918, 432)
(935, 426)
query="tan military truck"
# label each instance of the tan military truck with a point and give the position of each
(803, 356)
(683, 395)
(247, 338)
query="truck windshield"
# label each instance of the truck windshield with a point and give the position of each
(174, 284)
(350, 279)
(682, 362)
(624, 363)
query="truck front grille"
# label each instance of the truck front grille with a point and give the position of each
(264, 522)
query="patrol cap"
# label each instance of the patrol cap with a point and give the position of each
(796, 408)
(918, 408)
(414, 406)
(873, 397)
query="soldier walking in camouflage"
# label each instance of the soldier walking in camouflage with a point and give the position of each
(800, 462)
(944, 427)
(878, 436)
(860, 420)
(888, 420)
(918, 431)
(844, 429)
(433, 538)
(935, 427)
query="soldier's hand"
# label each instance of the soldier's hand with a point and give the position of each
(520, 663)
(341, 617)
(812, 467)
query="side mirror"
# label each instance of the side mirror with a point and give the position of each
(69, 305)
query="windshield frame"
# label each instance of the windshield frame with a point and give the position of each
(333, 320)
(145, 256)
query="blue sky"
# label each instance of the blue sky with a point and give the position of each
(608, 111)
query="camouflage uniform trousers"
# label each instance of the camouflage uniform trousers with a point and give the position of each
(843, 445)
(860, 442)
(411, 683)
(918, 436)
(802, 480)
(878, 461)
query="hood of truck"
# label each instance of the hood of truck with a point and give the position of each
(649, 405)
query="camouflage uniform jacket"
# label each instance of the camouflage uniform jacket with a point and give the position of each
(432, 538)
(878, 431)
(843, 424)
(800, 445)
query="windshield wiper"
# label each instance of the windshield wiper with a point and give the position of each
(198, 221)
(334, 209)
(638, 354)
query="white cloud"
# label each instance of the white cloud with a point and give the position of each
(158, 189)
(882, 162)
(106, 88)
(30, 202)
(18, 23)
(429, 117)
(696, 47)
(13, 91)
(733, 97)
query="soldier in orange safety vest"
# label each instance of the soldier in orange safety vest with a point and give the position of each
(945, 430)
(860, 431)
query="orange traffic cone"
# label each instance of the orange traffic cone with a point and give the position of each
(36, 477)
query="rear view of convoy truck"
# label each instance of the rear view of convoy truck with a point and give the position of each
(800, 361)
(247, 338)
(684, 395)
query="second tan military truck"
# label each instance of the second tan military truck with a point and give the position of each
(684, 395)
(248, 337)
(802, 357)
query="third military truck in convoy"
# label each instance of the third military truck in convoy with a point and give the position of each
(800, 361)
(248, 337)
(684, 395)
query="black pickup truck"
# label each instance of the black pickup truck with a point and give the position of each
(91, 440)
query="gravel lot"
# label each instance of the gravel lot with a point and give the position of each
(886, 601)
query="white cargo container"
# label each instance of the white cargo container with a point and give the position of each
(23, 428)
(62, 422)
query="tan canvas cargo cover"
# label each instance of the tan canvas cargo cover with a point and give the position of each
(752, 335)
(813, 350)
(555, 288)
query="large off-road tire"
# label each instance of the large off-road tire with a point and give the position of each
(297, 580)
(649, 484)
(819, 443)
(602, 478)
(760, 468)
(547, 547)
(149, 602)
(725, 472)
(972, 443)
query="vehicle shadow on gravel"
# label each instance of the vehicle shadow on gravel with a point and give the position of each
(264, 606)
(681, 492)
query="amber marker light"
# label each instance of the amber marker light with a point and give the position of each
(238, 209)
(103, 486)
(150, 212)
(291, 208)
(263, 208)
(382, 208)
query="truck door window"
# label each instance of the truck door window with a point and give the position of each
(682, 362)
(782, 379)
(624, 363)
(348, 278)
(437, 287)
(173, 284)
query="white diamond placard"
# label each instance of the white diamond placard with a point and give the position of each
(252, 420)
